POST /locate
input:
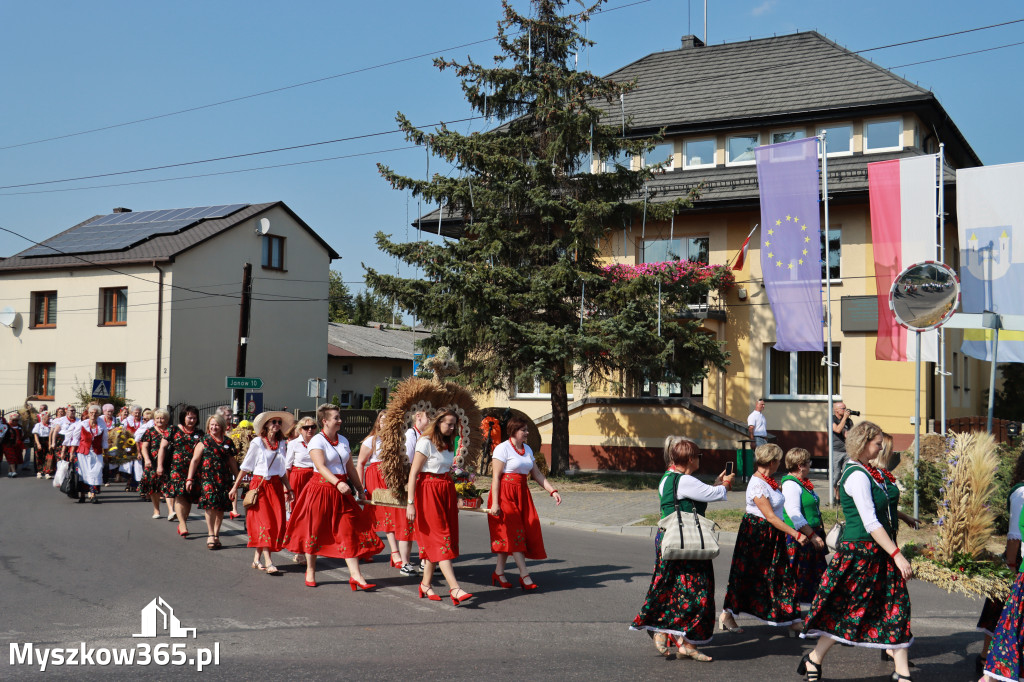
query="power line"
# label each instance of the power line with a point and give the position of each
(944, 35)
(953, 56)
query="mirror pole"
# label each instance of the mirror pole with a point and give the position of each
(917, 423)
(992, 378)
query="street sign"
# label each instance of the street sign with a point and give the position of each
(316, 388)
(254, 383)
(100, 388)
(253, 403)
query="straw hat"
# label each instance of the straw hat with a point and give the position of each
(261, 420)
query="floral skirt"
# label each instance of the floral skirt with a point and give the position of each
(862, 600)
(387, 519)
(1006, 655)
(517, 529)
(151, 483)
(808, 565)
(50, 464)
(680, 600)
(264, 521)
(177, 475)
(326, 523)
(437, 517)
(214, 483)
(761, 582)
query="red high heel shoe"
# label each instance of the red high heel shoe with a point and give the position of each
(232, 515)
(526, 588)
(500, 581)
(182, 533)
(457, 601)
(431, 597)
(396, 564)
(310, 583)
(356, 585)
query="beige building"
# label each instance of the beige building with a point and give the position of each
(715, 105)
(150, 301)
(361, 358)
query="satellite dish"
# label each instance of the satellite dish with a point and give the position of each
(263, 226)
(7, 316)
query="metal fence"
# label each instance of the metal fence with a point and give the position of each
(980, 424)
(356, 424)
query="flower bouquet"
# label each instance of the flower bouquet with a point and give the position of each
(122, 446)
(469, 496)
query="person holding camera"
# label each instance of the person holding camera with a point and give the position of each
(841, 424)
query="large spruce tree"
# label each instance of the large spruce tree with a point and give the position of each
(522, 294)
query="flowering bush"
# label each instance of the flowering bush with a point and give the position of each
(684, 272)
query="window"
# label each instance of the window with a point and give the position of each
(536, 388)
(44, 310)
(838, 139)
(956, 371)
(346, 369)
(685, 248)
(882, 136)
(662, 156)
(345, 399)
(114, 373)
(835, 249)
(396, 371)
(623, 158)
(740, 149)
(699, 153)
(788, 135)
(44, 378)
(273, 252)
(114, 306)
(801, 375)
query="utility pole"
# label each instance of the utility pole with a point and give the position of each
(243, 337)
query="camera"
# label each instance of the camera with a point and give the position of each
(854, 413)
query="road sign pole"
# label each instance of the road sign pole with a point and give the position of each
(243, 334)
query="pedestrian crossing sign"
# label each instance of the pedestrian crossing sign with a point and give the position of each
(100, 389)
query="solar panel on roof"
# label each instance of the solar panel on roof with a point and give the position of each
(120, 231)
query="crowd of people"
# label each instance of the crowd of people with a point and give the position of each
(859, 598)
(304, 492)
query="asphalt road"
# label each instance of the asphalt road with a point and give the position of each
(83, 573)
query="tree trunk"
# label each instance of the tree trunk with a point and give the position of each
(559, 428)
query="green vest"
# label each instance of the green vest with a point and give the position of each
(854, 531)
(808, 505)
(1020, 568)
(669, 495)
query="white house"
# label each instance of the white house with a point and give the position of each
(151, 301)
(361, 358)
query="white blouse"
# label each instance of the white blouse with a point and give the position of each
(101, 433)
(792, 491)
(146, 425)
(859, 488)
(336, 457)
(411, 436)
(259, 457)
(758, 487)
(71, 431)
(66, 426)
(513, 461)
(438, 461)
(373, 443)
(42, 430)
(1016, 503)
(297, 454)
(691, 488)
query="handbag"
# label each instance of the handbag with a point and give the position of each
(689, 536)
(70, 485)
(835, 534)
(62, 472)
(253, 495)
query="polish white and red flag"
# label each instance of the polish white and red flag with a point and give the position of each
(904, 208)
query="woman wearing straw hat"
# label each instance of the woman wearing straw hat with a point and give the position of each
(265, 520)
(327, 520)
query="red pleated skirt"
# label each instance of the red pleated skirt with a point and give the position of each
(264, 521)
(298, 477)
(387, 519)
(517, 529)
(327, 523)
(437, 517)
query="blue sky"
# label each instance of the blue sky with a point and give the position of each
(75, 66)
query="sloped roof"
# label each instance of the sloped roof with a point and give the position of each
(159, 248)
(350, 340)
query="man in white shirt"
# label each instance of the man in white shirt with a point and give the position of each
(757, 425)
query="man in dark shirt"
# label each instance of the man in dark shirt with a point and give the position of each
(841, 423)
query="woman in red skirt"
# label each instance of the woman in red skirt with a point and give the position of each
(264, 521)
(296, 461)
(327, 520)
(433, 505)
(513, 521)
(388, 520)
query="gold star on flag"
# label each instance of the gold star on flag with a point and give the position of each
(801, 261)
(803, 227)
(778, 263)
(767, 243)
(795, 219)
(790, 266)
(805, 252)
(778, 222)
(807, 239)
(788, 218)
(771, 255)
(771, 231)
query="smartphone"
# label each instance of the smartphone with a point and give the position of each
(729, 468)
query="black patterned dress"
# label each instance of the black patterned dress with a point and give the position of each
(681, 598)
(151, 483)
(215, 474)
(177, 458)
(863, 598)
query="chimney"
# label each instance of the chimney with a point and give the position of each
(692, 41)
(122, 209)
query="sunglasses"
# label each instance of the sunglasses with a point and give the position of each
(308, 428)
(275, 421)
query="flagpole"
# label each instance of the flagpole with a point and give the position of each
(733, 259)
(828, 318)
(942, 259)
